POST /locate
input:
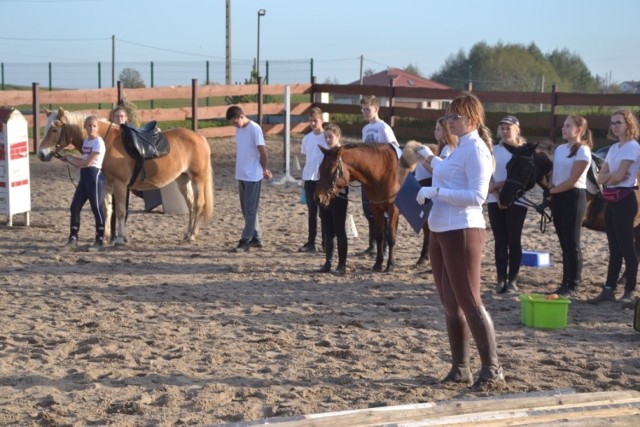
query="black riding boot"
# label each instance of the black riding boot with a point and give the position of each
(459, 343)
(328, 251)
(342, 255)
(481, 327)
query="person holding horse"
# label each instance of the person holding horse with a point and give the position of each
(376, 130)
(251, 168)
(459, 190)
(618, 175)
(506, 222)
(91, 184)
(310, 149)
(334, 216)
(568, 196)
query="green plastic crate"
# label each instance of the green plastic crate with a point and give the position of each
(538, 312)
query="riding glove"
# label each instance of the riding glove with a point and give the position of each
(426, 193)
(425, 151)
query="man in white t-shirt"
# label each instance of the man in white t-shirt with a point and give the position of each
(251, 168)
(313, 157)
(375, 131)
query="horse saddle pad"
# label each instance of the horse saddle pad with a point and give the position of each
(144, 143)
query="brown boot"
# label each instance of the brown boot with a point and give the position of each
(459, 342)
(481, 327)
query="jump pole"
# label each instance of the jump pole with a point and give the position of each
(287, 178)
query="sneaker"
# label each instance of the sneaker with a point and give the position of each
(512, 287)
(243, 246)
(566, 292)
(627, 297)
(607, 294)
(71, 245)
(308, 247)
(501, 287)
(255, 243)
(98, 245)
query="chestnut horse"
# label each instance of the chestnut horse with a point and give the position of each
(375, 166)
(528, 166)
(188, 163)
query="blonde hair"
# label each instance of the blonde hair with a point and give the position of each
(370, 100)
(468, 104)
(520, 140)
(315, 113)
(333, 128)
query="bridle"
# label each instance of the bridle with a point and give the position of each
(58, 147)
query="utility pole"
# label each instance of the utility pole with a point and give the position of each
(228, 45)
(113, 61)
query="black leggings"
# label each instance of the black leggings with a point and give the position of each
(334, 218)
(312, 208)
(569, 208)
(506, 225)
(618, 223)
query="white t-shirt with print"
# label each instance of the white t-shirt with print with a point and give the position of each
(380, 132)
(95, 145)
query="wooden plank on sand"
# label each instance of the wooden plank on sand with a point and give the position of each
(600, 408)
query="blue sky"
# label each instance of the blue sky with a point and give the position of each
(335, 33)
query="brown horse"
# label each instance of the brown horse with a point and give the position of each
(375, 166)
(410, 158)
(188, 163)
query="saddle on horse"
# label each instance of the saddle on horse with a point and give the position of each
(142, 144)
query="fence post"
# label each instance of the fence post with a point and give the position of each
(469, 86)
(552, 121)
(392, 103)
(312, 96)
(194, 105)
(35, 96)
(120, 93)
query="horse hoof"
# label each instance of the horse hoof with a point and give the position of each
(377, 268)
(118, 241)
(388, 269)
(421, 261)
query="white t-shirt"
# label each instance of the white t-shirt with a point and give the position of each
(380, 132)
(313, 155)
(248, 138)
(502, 157)
(463, 179)
(421, 173)
(94, 146)
(563, 164)
(629, 150)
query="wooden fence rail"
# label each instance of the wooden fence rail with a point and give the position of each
(549, 119)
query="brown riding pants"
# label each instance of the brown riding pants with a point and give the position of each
(455, 260)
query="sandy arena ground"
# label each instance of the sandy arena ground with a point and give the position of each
(164, 333)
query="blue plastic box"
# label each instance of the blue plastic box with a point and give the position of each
(536, 259)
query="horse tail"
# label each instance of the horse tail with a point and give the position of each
(208, 186)
(410, 156)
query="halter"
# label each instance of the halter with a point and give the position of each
(58, 146)
(520, 193)
(333, 189)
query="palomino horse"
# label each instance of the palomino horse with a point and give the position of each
(375, 166)
(531, 165)
(188, 163)
(410, 158)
